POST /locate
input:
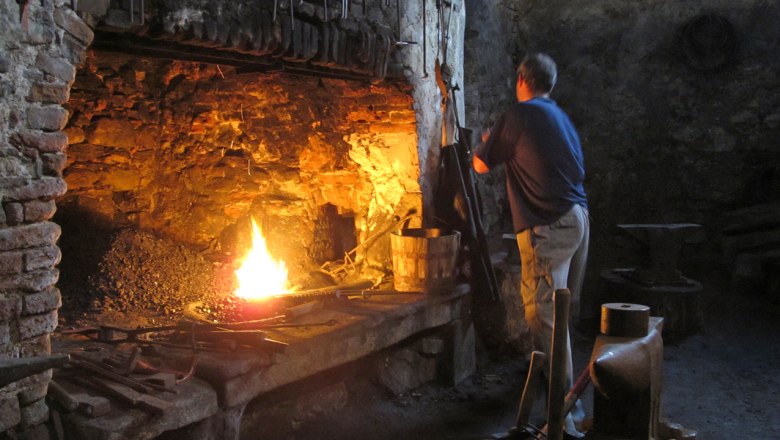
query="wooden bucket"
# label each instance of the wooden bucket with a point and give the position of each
(425, 260)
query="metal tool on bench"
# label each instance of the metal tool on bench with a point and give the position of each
(196, 333)
(12, 370)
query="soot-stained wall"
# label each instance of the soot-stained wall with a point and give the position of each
(676, 102)
(192, 151)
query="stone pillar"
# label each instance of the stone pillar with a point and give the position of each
(40, 46)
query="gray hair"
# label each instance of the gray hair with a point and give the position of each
(539, 71)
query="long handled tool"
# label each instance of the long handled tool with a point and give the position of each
(478, 240)
(560, 339)
(524, 429)
(532, 381)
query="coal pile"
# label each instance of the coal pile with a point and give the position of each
(154, 277)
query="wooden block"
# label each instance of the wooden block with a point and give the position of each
(167, 380)
(91, 406)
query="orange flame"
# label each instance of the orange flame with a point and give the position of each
(260, 275)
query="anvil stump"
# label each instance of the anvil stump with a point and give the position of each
(658, 284)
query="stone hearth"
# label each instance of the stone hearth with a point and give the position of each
(317, 176)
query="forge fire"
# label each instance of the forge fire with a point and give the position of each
(191, 153)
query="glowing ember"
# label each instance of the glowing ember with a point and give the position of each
(260, 276)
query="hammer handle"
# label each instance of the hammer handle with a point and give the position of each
(538, 360)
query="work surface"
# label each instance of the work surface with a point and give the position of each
(223, 380)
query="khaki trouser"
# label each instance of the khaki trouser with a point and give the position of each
(553, 257)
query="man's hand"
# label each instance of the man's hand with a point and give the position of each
(479, 166)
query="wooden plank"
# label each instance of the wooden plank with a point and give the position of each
(147, 402)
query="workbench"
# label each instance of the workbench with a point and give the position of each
(225, 382)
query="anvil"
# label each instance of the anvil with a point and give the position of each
(663, 242)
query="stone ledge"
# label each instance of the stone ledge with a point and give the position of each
(363, 327)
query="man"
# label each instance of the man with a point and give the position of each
(544, 179)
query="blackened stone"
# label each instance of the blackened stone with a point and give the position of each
(11, 262)
(27, 236)
(37, 346)
(5, 333)
(50, 93)
(48, 118)
(36, 325)
(74, 50)
(30, 281)
(41, 258)
(53, 163)
(68, 20)
(94, 7)
(37, 432)
(5, 64)
(42, 302)
(33, 394)
(10, 414)
(35, 414)
(10, 307)
(52, 142)
(39, 210)
(56, 67)
(14, 213)
(43, 188)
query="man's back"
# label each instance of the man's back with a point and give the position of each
(544, 162)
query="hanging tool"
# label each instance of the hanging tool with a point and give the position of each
(446, 39)
(292, 15)
(478, 240)
(398, 41)
(23, 12)
(425, 39)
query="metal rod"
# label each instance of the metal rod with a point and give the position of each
(398, 19)
(425, 41)
(446, 42)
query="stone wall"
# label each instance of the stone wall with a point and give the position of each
(667, 136)
(40, 47)
(191, 151)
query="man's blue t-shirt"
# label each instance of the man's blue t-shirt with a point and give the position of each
(544, 164)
